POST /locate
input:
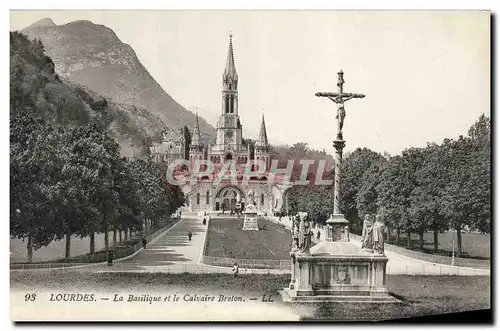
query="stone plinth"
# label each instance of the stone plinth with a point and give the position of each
(250, 218)
(337, 272)
(337, 228)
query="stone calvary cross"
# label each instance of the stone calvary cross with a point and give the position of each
(339, 98)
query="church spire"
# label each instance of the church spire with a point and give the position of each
(230, 83)
(195, 140)
(262, 140)
(230, 70)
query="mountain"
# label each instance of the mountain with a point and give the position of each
(91, 55)
(58, 100)
(132, 127)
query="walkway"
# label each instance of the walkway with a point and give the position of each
(172, 252)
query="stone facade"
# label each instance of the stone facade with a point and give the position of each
(210, 194)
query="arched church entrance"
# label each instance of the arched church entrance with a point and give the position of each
(227, 198)
(229, 156)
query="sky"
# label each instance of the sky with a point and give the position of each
(425, 74)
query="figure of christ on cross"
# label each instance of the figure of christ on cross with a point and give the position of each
(340, 98)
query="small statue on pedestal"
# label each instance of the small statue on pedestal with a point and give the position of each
(367, 235)
(304, 235)
(250, 198)
(379, 229)
(295, 234)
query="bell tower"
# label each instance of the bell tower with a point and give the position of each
(230, 83)
(229, 129)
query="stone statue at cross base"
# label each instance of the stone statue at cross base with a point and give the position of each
(295, 235)
(250, 198)
(304, 235)
(379, 229)
(367, 234)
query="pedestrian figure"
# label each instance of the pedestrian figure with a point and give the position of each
(204, 221)
(144, 243)
(318, 234)
(235, 270)
(190, 234)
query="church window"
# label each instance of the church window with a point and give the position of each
(262, 199)
(227, 104)
(208, 198)
(198, 198)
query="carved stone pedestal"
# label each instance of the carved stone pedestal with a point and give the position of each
(337, 272)
(250, 219)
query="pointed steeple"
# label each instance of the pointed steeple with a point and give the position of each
(230, 71)
(195, 140)
(262, 140)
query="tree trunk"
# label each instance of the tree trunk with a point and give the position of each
(130, 233)
(389, 234)
(421, 243)
(409, 239)
(106, 239)
(398, 232)
(126, 234)
(30, 248)
(459, 241)
(120, 235)
(67, 254)
(114, 237)
(92, 242)
(436, 246)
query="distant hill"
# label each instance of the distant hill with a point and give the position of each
(133, 128)
(91, 55)
(63, 101)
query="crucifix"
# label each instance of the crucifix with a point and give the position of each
(340, 98)
(337, 221)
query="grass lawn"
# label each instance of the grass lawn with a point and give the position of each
(420, 295)
(55, 250)
(474, 245)
(225, 238)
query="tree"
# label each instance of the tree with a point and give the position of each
(367, 197)
(427, 196)
(31, 169)
(457, 203)
(480, 168)
(354, 167)
(390, 193)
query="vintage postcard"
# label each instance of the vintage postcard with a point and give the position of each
(170, 165)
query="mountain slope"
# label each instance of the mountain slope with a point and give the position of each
(92, 55)
(133, 128)
(33, 79)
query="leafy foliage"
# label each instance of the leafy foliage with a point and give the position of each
(435, 188)
(67, 176)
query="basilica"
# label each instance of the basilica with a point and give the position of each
(208, 194)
